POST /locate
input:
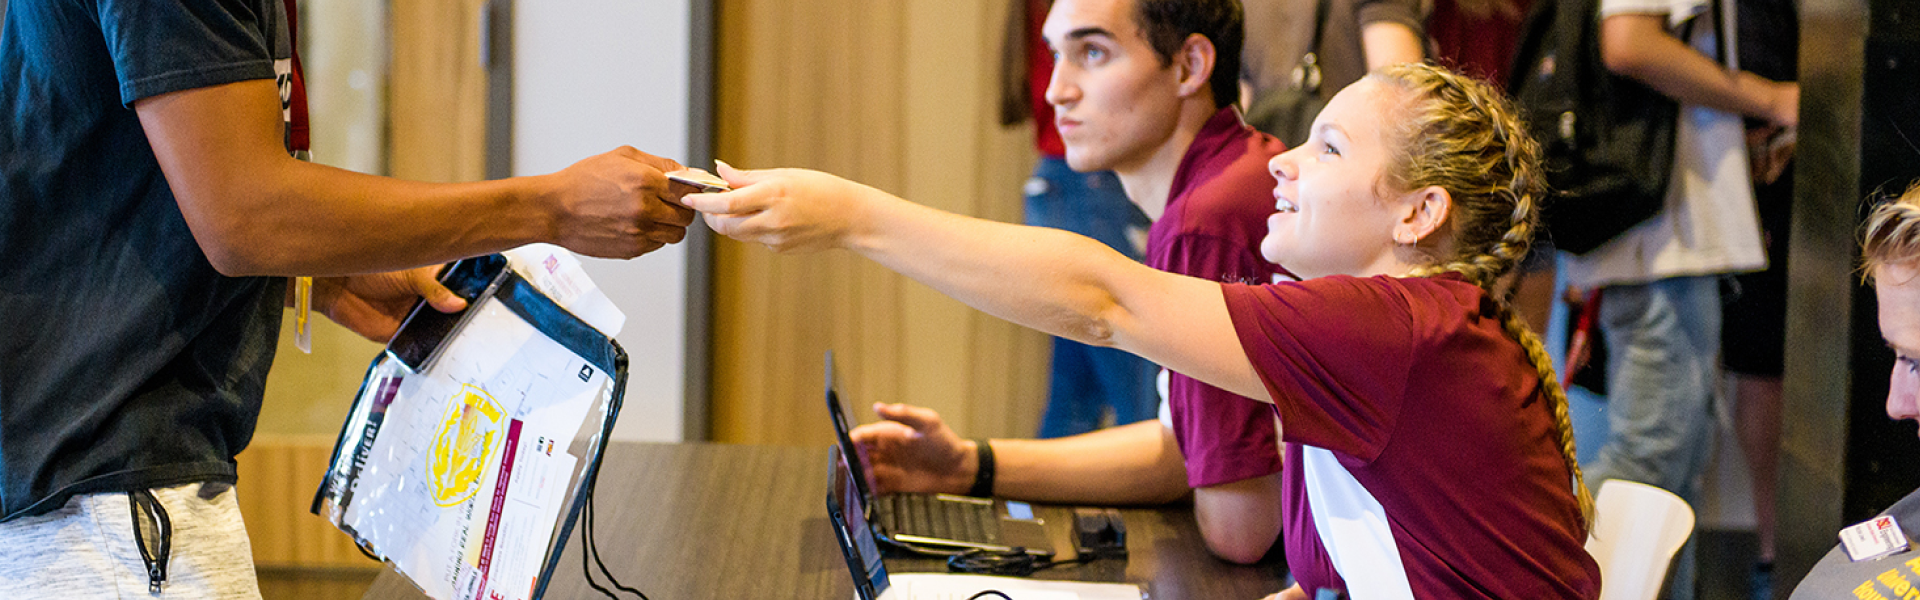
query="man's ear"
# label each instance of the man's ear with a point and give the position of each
(1426, 212)
(1194, 64)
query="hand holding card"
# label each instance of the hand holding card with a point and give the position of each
(699, 179)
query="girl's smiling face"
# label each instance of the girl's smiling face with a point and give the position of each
(1334, 213)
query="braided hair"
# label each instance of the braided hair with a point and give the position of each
(1892, 233)
(1464, 137)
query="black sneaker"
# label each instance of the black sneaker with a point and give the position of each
(1760, 582)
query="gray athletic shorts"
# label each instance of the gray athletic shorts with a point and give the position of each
(89, 548)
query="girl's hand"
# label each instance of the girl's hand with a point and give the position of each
(786, 210)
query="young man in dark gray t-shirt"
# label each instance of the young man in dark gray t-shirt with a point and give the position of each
(150, 213)
(1891, 255)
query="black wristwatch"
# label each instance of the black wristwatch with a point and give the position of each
(983, 476)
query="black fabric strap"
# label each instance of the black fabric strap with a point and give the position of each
(1723, 32)
(1319, 26)
(983, 476)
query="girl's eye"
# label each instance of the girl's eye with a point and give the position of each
(1095, 54)
(1329, 149)
(1912, 365)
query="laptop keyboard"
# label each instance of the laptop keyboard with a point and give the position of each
(926, 516)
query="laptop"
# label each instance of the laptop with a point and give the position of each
(871, 581)
(939, 522)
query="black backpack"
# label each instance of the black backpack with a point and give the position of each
(1606, 140)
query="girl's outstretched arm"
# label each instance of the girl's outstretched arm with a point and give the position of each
(1047, 279)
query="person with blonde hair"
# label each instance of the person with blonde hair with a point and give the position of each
(1890, 261)
(1428, 450)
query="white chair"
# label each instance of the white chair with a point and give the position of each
(1636, 530)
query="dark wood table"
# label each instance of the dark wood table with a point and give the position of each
(698, 521)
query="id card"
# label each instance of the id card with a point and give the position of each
(1873, 539)
(699, 179)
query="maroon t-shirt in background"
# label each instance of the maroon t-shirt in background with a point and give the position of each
(1416, 390)
(1046, 137)
(1480, 45)
(1216, 214)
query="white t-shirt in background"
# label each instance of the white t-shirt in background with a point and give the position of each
(1709, 224)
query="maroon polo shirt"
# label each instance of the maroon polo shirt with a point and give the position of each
(1216, 215)
(1408, 391)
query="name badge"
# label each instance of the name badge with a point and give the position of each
(1873, 539)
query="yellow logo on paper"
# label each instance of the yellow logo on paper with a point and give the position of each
(467, 434)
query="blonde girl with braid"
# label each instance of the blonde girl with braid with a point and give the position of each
(1426, 443)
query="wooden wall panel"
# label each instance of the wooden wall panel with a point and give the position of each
(898, 95)
(438, 107)
(278, 476)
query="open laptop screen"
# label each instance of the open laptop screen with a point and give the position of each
(843, 431)
(845, 504)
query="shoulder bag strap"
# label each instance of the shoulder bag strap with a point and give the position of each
(1306, 75)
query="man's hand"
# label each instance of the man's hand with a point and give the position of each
(373, 305)
(619, 205)
(913, 450)
(1769, 149)
(1783, 104)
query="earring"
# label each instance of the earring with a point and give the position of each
(1402, 238)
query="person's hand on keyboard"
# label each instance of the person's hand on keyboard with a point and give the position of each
(913, 450)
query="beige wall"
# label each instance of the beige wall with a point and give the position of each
(899, 95)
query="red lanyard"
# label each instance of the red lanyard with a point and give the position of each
(298, 140)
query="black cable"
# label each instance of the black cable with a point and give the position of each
(990, 593)
(1016, 562)
(590, 548)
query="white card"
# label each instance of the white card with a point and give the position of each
(1873, 539)
(556, 272)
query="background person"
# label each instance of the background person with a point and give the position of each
(1753, 348)
(1087, 387)
(1357, 36)
(1660, 309)
(1890, 260)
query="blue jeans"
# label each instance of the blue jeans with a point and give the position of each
(1663, 359)
(1088, 381)
(1663, 343)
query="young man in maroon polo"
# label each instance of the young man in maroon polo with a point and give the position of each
(1144, 88)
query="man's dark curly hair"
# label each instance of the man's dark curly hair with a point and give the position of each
(1167, 23)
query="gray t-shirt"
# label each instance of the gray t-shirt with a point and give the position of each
(1893, 576)
(1279, 31)
(126, 360)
